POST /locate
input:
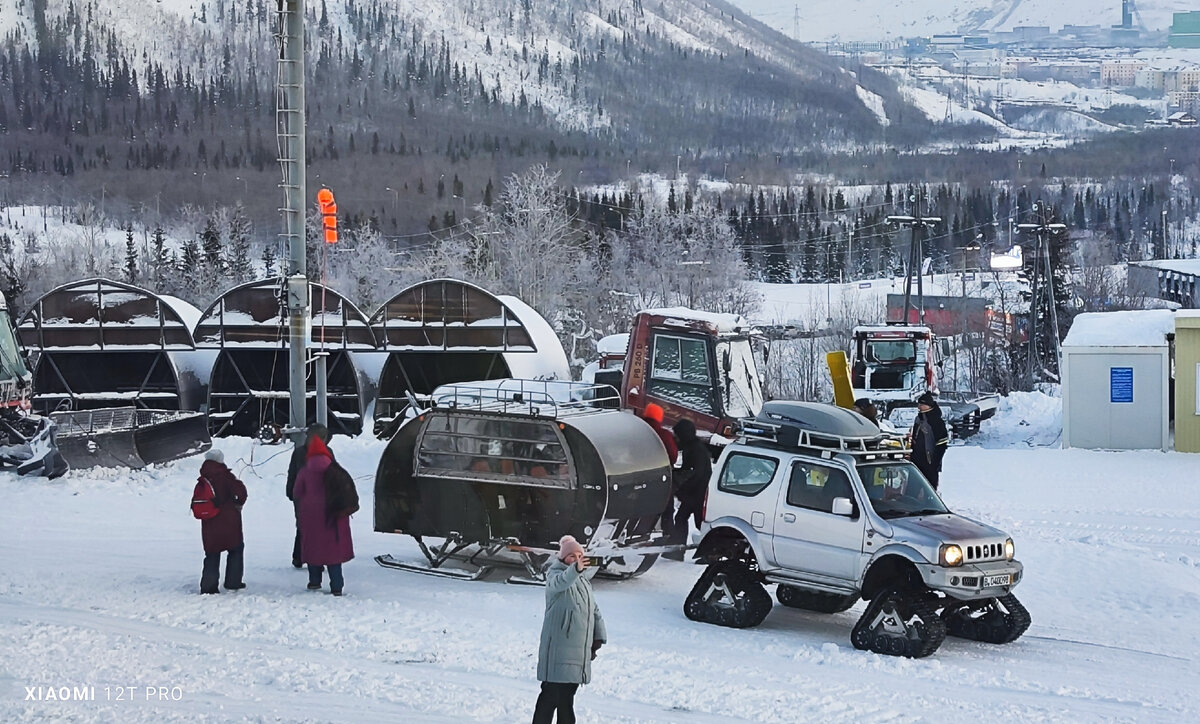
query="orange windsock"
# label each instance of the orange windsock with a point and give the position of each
(328, 215)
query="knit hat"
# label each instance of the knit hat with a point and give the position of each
(316, 447)
(926, 398)
(568, 545)
(653, 412)
(215, 455)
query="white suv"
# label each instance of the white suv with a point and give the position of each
(815, 499)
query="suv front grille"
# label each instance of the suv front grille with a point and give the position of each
(983, 552)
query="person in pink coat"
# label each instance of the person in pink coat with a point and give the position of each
(324, 541)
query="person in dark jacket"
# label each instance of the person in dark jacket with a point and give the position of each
(297, 462)
(929, 438)
(572, 632)
(867, 409)
(324, 540)
(224, 531)
(691, 480)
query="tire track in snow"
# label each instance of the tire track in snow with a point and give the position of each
(339, 706)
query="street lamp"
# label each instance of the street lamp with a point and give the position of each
(395, 196)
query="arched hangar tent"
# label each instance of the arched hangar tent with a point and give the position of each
(249, 381)
(444, 330)
(102, 343)
(118, 371)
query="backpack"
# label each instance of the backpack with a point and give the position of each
(204, 503)
(341, 497)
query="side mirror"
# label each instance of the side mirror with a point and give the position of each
(726, 362)
(843, 507)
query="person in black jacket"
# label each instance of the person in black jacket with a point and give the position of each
(299, 455)
(929, 438)
(691, 480)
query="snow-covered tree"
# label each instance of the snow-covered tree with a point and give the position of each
(131, 256)
(531, 247)
(240, 267)
(683, 259)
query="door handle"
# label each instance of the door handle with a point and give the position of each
(789, 517)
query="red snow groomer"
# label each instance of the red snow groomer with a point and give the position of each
(695, 365)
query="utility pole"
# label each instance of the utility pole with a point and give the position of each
(290, 122)
(1042, 288)
(1166, 248)
(850, 252)
(916, 223)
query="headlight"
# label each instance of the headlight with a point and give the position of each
(950, 555)
(1009, 549)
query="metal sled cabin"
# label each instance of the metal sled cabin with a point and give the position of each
(118, 372)
(491, 470)
(248, 388)
(444, 331)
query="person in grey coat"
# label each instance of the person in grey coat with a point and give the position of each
(572, 633)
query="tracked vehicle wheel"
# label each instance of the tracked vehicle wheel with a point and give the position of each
(728, 594)
(993, 620)
(794, 597)
(900, 623)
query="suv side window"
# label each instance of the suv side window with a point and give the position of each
(815, 486)
(746, 474)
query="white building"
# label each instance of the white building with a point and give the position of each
(1116, 380)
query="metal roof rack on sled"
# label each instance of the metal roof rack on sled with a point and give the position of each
(549, 399)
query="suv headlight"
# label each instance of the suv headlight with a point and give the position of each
(1009, 549)
(950, 555)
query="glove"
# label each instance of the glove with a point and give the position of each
(596, 647)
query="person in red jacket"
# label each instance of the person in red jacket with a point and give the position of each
(324, 540)
(224, 531)
(653, 415)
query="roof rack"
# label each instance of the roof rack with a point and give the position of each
(785, 435)
(550, 399)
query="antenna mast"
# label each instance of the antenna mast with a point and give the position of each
(290, 121)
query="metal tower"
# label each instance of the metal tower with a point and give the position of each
(289, 120)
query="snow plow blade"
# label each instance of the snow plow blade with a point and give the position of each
(129, 437)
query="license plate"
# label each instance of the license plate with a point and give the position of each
(1002, 580)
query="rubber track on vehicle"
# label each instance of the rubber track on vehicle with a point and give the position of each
(920, 604)
(987, 628)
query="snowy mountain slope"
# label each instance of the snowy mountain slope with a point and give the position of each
(102, 569)
(849, 20)
(494, 35)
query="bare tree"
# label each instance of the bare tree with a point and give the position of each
(683, 259)
(532, 248)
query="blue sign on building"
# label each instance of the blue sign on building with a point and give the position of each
(1120, 384)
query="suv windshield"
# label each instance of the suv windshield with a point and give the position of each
(897, 489)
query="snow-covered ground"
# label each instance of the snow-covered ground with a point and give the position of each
(102, 570)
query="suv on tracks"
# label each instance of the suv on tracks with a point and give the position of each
(814, 499)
